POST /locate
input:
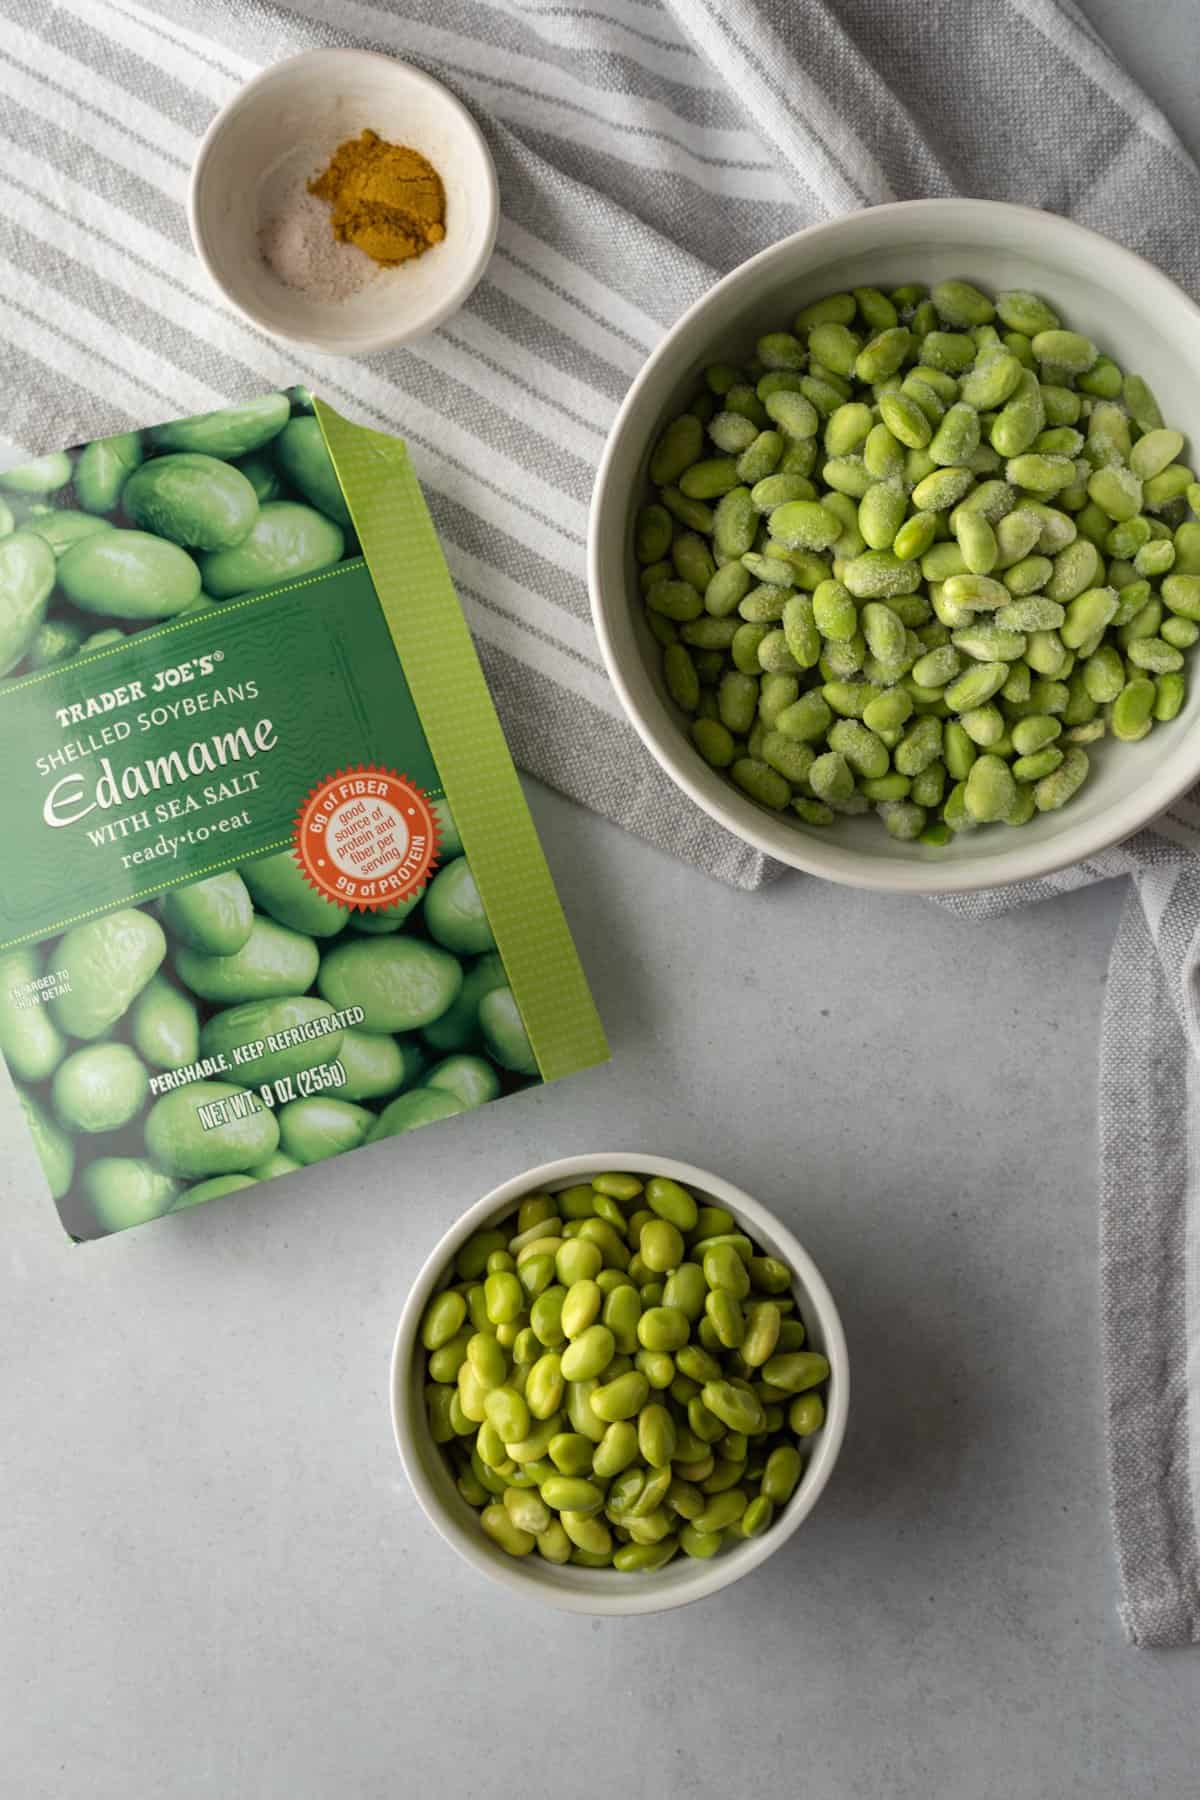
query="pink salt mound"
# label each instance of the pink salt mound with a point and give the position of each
(299, 248)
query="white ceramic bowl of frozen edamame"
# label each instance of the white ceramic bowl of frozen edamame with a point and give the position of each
(1127, 308)
(606, 1590)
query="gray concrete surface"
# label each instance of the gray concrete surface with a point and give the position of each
(214, 1581)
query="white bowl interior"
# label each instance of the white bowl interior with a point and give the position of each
(606, 1590)
(1134, 313)
(289, 121)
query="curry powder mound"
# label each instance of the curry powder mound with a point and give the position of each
(386, 198)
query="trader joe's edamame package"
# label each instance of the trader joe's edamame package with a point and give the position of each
(270, 891)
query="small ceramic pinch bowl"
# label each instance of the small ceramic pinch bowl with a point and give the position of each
(284, 125)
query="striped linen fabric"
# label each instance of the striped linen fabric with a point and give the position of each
(644, 147)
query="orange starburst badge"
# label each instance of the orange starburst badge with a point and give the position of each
(366, 837)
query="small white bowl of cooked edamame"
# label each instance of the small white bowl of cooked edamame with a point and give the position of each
(686, 1474)
(1061, 652)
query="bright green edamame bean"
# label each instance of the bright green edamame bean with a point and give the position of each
(504, 1297)
(545, 1317)
(622, 1398)
(990, 790)
(724, 1313)
(685, 1289)
(725, 1270)
(589, 1354)
(661, 1246)
(442, 1321)
(571, 1453)
(566, 1493)
(656, 1435)
(1170, 693)
(663, 1328)
(498, 1524)
(577, 1264)
(796, 1370)
(806, 1415)
(763, 1321)
(738, 1410)
(507, 1413)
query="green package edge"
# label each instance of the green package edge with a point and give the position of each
(433, 644)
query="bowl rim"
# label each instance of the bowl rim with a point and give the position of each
(668, 744)
(333, 343)
(703, 1578)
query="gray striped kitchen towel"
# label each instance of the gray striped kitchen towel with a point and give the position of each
(644, 146)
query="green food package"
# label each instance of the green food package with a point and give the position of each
(271, 890)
